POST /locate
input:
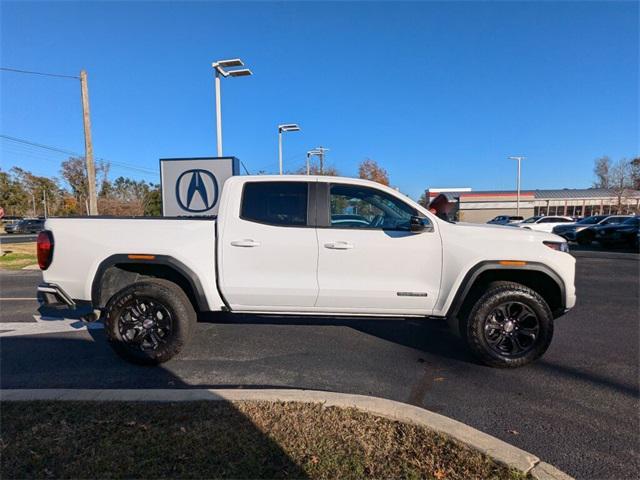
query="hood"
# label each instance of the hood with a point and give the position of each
(506, 232)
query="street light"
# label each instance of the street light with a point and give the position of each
(519, 159)
(287, 127)
(220, 67)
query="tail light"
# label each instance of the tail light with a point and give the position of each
(45, 249)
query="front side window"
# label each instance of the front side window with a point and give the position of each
(275, 203)
(353, 206)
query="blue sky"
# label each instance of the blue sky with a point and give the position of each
(439, 93)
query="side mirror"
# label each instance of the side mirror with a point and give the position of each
(417, 224)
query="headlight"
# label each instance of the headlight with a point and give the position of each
(559, 246)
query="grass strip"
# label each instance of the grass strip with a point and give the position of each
(44, 439)
(15, 256)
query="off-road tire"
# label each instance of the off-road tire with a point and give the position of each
(472, 328)
(173, 299)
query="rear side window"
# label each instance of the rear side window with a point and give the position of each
(275, 203)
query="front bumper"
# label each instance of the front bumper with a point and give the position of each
(56, 303)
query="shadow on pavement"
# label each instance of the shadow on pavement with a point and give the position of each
(431, 336)
(83, 357)
(587, 377)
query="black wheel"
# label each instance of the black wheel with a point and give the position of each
(584, 238)
(509, 326)
(149, 322)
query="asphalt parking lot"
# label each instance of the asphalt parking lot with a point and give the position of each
(576, 408)
(17, 238)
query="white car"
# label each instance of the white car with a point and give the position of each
(306, 245)
(543, 223)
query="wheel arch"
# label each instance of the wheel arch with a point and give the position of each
(119, 269)
(537, 276)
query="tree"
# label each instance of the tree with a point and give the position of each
(635, 173)
(153, 202)
(370, 170)
(13, 196)
(601, 170)
(424, 200)
(314, 169)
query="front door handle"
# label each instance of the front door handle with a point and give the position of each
(246, 243)
(339, 245)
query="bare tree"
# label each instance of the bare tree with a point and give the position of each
(620, 181)
(601, 170)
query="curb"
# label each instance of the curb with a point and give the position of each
(499, 450)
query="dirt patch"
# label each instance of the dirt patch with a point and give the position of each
(225, 440)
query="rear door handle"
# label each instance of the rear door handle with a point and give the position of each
(246, 243)
(339, 245)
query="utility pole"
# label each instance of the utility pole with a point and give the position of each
(318, 152)
(44, 202)
(321, 152)
(88, 145)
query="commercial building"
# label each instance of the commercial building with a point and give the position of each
(466, 205)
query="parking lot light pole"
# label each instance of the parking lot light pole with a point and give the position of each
(220, 67)
(287, 127)
(519, 159)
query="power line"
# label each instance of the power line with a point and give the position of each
(45, 74)
(74, 154)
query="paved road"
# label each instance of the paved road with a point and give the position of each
(576, 408)
(17, 238)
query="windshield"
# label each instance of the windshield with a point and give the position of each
(592, 220)
(531, 220)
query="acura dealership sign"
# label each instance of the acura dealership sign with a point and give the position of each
(191, 186)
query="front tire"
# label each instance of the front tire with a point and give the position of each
(149, 322)
(509, 326)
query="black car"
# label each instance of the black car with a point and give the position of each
(583, 230)
(32, 225)
(625, 233)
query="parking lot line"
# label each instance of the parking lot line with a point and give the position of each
(40, 327)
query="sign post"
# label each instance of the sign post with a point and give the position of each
(192, 186)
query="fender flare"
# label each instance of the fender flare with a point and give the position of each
(475, 271)
(166, 260)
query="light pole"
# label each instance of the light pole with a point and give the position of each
(219, 67)
(519, 158)
(287, 127)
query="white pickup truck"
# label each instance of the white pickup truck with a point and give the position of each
(306, 245)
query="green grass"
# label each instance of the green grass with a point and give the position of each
(16, 261)
(15, 256)
(224, 440)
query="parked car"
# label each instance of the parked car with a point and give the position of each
(625, 233)
(582, 231)
(543, 223)
(505, 219)
(31, 225)
(280, 245)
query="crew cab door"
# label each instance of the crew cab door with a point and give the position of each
(268, 249)
(369, 260)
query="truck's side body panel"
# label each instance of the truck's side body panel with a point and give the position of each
(82, 244)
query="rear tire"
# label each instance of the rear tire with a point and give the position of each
(509, 326)
(149, 322)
